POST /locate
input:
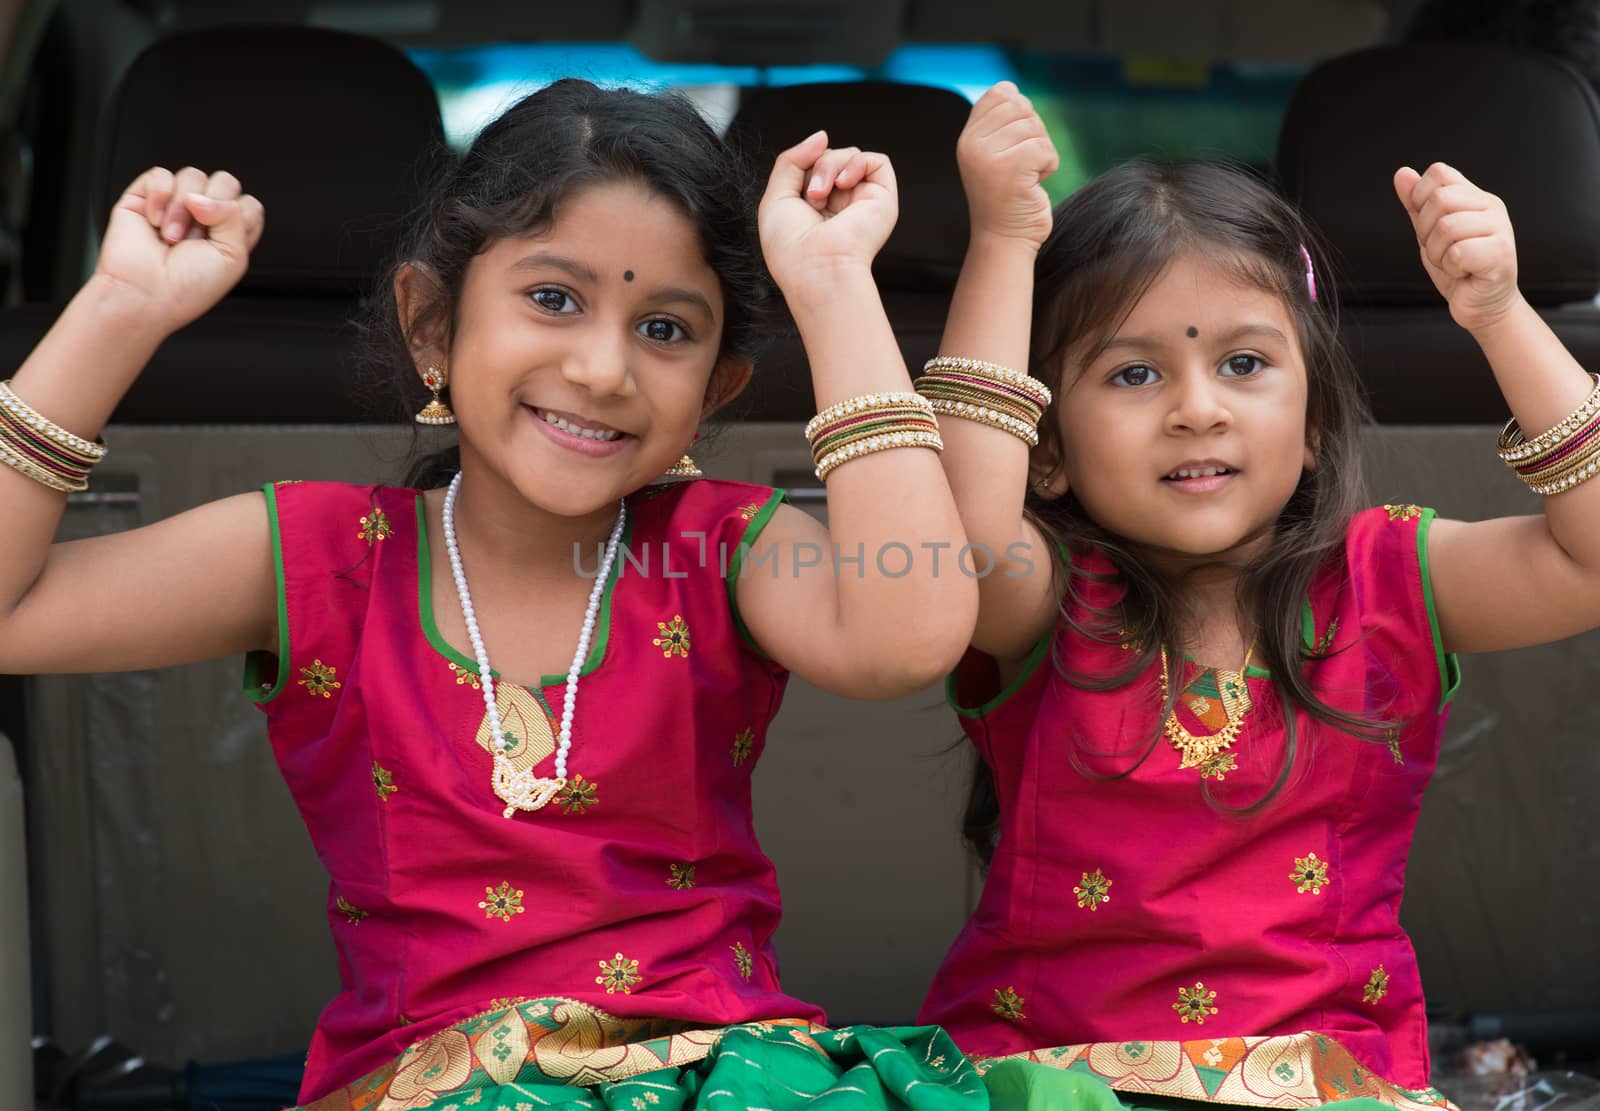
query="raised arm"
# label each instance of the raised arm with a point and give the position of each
(198, 585)
(879, 626)
(1515, 581)
(1004, 155)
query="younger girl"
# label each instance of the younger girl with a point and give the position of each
(519, 708)
(1206, 687)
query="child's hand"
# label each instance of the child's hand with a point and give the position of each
(1005, 155)
(1465, 238)
(824, 210)
(179, 242)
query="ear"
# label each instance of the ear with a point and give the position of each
(1047, 471)
(416, 293)
(1313, 445)
(728, 379)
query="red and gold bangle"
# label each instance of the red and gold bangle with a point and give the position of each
(34, 446)
(76, 445)
(832, 441)
(867, 403)
(986, 393)
(992, 372)
(886, 441)
(1515, 450)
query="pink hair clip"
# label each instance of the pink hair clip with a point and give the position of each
(1311, 275)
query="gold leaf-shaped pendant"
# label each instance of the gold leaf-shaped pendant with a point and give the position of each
(526, 723)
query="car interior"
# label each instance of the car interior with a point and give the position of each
(159, 900)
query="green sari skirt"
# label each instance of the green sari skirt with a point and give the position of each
(556, 1053)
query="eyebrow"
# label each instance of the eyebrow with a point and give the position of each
(677, 295)
(1243, 331)
(540, 260)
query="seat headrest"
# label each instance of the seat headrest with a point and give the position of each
(1523, 125)
(332, 131)
(915, 125)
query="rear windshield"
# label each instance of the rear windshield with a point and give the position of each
(1100, 110)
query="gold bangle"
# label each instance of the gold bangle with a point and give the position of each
(1515, 449)
(871, 445)
(1019, 379)
(25, 466)
(1584, 453)
(48, 428)
(1568, 474)
(871, 402)
(828, 444)
(1022, 410)
(1022, 430)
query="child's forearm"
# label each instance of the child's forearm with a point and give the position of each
(74, 378)
(1543, 385)
(889, 509)
(989, 319)
(988, 467)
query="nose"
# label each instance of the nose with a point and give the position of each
(599, 361)
(1198, 402)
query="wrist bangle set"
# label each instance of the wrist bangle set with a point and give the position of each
(964, 388)
(1565, 456)
(37, 447)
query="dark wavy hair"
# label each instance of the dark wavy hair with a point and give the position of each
(1110, 241)
(511, 182)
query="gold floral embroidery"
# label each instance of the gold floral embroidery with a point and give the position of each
(1008, 1004)
(354, 913)
(1194, 1004)
(1325, 642)
(376, 527)
(1094, 890)
(1403, 512)
(319, 679)
(748, 512)
(1392, 739)
(578, 796)
(465, 675)
(1128, 642)
(1377, 986)
(506, 1002)
(618, 974)
(682, 877)
(742, 960)
(503, 902)
(1217, 767)
(742, 744)
(674, 638)
(1310, 874)
(383, 782)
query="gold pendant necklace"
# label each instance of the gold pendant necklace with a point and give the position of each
(1233, 693)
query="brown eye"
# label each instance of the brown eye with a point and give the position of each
(662, 331)
(1242, 366)
(1134, 376)
(553, 300)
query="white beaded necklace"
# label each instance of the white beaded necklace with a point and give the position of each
(522, 790)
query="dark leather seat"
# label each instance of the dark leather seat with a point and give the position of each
(335, 133)
(917, 127)
(1523, 125)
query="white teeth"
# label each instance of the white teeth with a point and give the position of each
(603, 435)
(1198, 472)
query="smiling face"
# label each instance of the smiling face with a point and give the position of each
(1187, 434)
(581, 356)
